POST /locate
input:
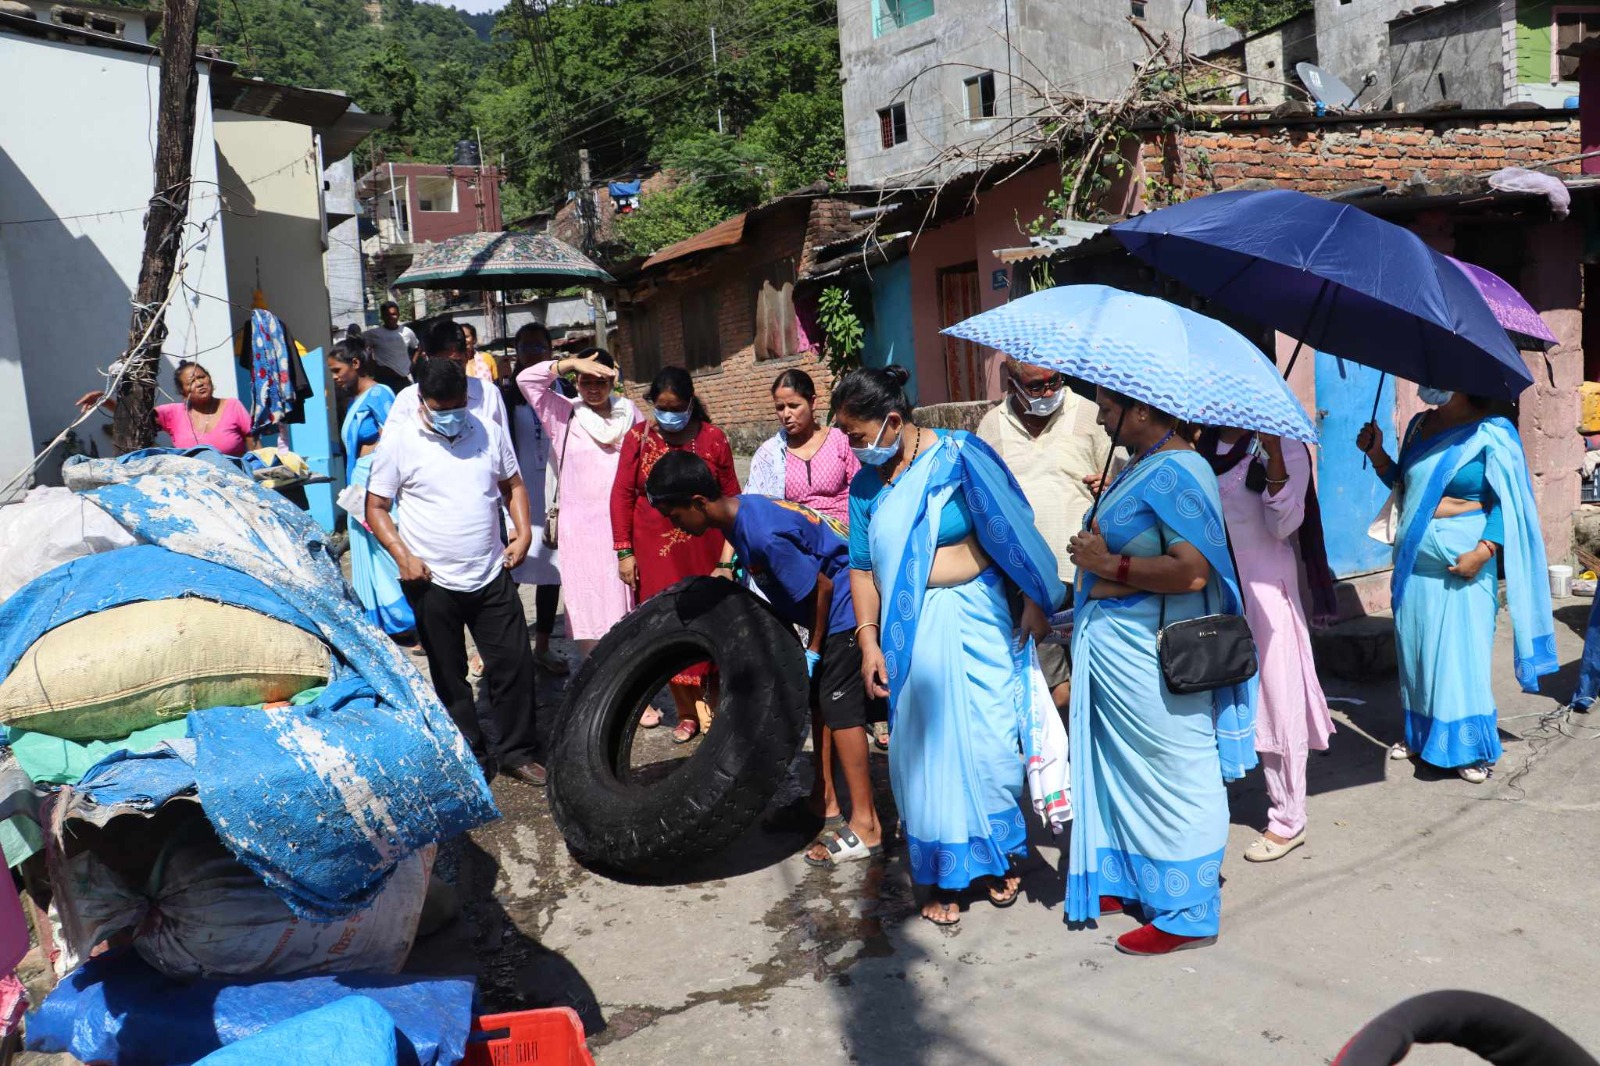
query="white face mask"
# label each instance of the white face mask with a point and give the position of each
(1433, 397)
(1044, 406)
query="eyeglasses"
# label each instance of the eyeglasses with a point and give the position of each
(1054, 383)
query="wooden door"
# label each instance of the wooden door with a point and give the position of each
(965, 363)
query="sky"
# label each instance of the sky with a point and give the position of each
(477, 7)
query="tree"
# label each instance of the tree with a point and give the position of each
(1247, 16)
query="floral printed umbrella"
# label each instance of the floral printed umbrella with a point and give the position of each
(501, 261)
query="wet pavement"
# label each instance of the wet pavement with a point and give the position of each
(1412, 881)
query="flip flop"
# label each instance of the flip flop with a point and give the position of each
(942, 923)
(843, 846)
(1009, 896)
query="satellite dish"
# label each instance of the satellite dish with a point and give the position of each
(1325, 86)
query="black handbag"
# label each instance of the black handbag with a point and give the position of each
(1205, 653)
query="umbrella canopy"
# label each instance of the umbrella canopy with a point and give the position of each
(500, 261)
(1176, 360)
(1526, 329)
(1338, 279)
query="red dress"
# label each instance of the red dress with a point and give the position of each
(664, 555)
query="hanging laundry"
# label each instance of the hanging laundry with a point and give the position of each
(279, 387)
(626, 196)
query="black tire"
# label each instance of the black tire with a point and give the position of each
(650, 829)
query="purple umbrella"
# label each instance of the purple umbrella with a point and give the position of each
(1522, 323)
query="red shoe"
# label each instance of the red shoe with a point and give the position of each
(1148, 940)
(1111, 905)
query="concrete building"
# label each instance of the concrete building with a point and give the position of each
(1453, 52)
(413, 204)
(342, 263)
(924, 76)
(75, 178)
(1273, 54)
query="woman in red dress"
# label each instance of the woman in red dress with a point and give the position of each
(651, 554)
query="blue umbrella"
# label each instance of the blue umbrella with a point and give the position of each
(1338, 279)
(1174, 359)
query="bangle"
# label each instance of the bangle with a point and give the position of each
(1123, 562)
(624, 553)
(1493, 550)
(868, 625)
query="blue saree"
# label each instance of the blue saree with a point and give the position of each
(1148, 766)
(958, 705)
(373, 572)
(1444, 624)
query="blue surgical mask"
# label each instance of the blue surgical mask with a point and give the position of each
(876, 453)
(671, 421)
(1433, 397)
(449, 424)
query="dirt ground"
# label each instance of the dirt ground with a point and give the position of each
(1412, 881)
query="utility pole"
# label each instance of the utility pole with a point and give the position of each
(477, 191)
(134, 427)
(716, 77)
(588, 215)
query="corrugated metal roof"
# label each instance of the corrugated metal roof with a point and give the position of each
(721, 235)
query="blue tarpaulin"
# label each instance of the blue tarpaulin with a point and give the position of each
(117, 1009)
(320, 800)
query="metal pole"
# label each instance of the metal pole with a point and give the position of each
(716, 77)
(586, 206)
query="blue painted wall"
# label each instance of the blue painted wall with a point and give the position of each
(1350, 494)
(888, 335)
(316, 441)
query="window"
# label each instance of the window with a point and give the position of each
(890, 15)
(85, 20)
(980, 95)
(1138, 8)
(892, 125)
(644, 335)
(435, 193)
(702, 338)
(1572, 28)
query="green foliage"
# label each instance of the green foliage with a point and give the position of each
(843, 336)
(630, 80)
(667, 218)
(1247, 16)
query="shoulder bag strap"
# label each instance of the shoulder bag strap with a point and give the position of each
(1227, 538)
(561, 460)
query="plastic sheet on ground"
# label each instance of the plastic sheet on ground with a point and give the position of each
(375, 765)
(115, 1009)
(352, 1032)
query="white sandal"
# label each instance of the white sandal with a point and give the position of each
(1265, 849)
(1475, 775)
(1400, 751)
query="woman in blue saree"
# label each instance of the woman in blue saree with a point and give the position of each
(1466, 517)
(1148, 766)
(938, 531)
(373, 572)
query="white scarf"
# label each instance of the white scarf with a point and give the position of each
(604, 430)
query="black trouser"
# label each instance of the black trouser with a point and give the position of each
(494, 615)
(546, 602)
(388, 377)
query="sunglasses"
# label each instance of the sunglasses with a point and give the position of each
(1050, 384)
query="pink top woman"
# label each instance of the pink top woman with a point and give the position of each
(805, 463)
(1266, 512)
(586, 437)
(202, 419)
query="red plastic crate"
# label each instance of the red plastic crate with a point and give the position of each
(549, 1037)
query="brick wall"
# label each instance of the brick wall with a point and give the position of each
(1323, 157)
(736, 393)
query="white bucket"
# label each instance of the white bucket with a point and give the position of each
(1560, 582)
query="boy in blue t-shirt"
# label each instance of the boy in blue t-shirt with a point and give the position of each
(801, 563)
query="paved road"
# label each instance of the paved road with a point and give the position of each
(1412, 881)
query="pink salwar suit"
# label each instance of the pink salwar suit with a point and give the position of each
(595, 597)
(1291, 711)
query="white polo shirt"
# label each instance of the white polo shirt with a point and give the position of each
(447, 496)
(482, 400)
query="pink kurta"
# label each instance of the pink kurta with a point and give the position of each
(596, 599)
(1291, 711)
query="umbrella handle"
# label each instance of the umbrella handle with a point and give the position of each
(1300, 341)
(1105, 471)
(1376, 400)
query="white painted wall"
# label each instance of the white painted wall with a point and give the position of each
(79, 157)
(16, 434)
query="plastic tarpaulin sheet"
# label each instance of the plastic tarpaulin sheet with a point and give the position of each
(375, 765)
(355, 1031)
(117, 1009)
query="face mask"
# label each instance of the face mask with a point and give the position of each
(449, 424)
(671, 421)
(876, 454)
(1043, 406)
(1433, 397)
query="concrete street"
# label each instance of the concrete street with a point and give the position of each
(1412, 881)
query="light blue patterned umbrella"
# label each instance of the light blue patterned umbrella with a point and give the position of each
(1176, 360)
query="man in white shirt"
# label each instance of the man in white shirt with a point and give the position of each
(449, 472)
(449, 341)
(1047, 435)
(393, 347)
